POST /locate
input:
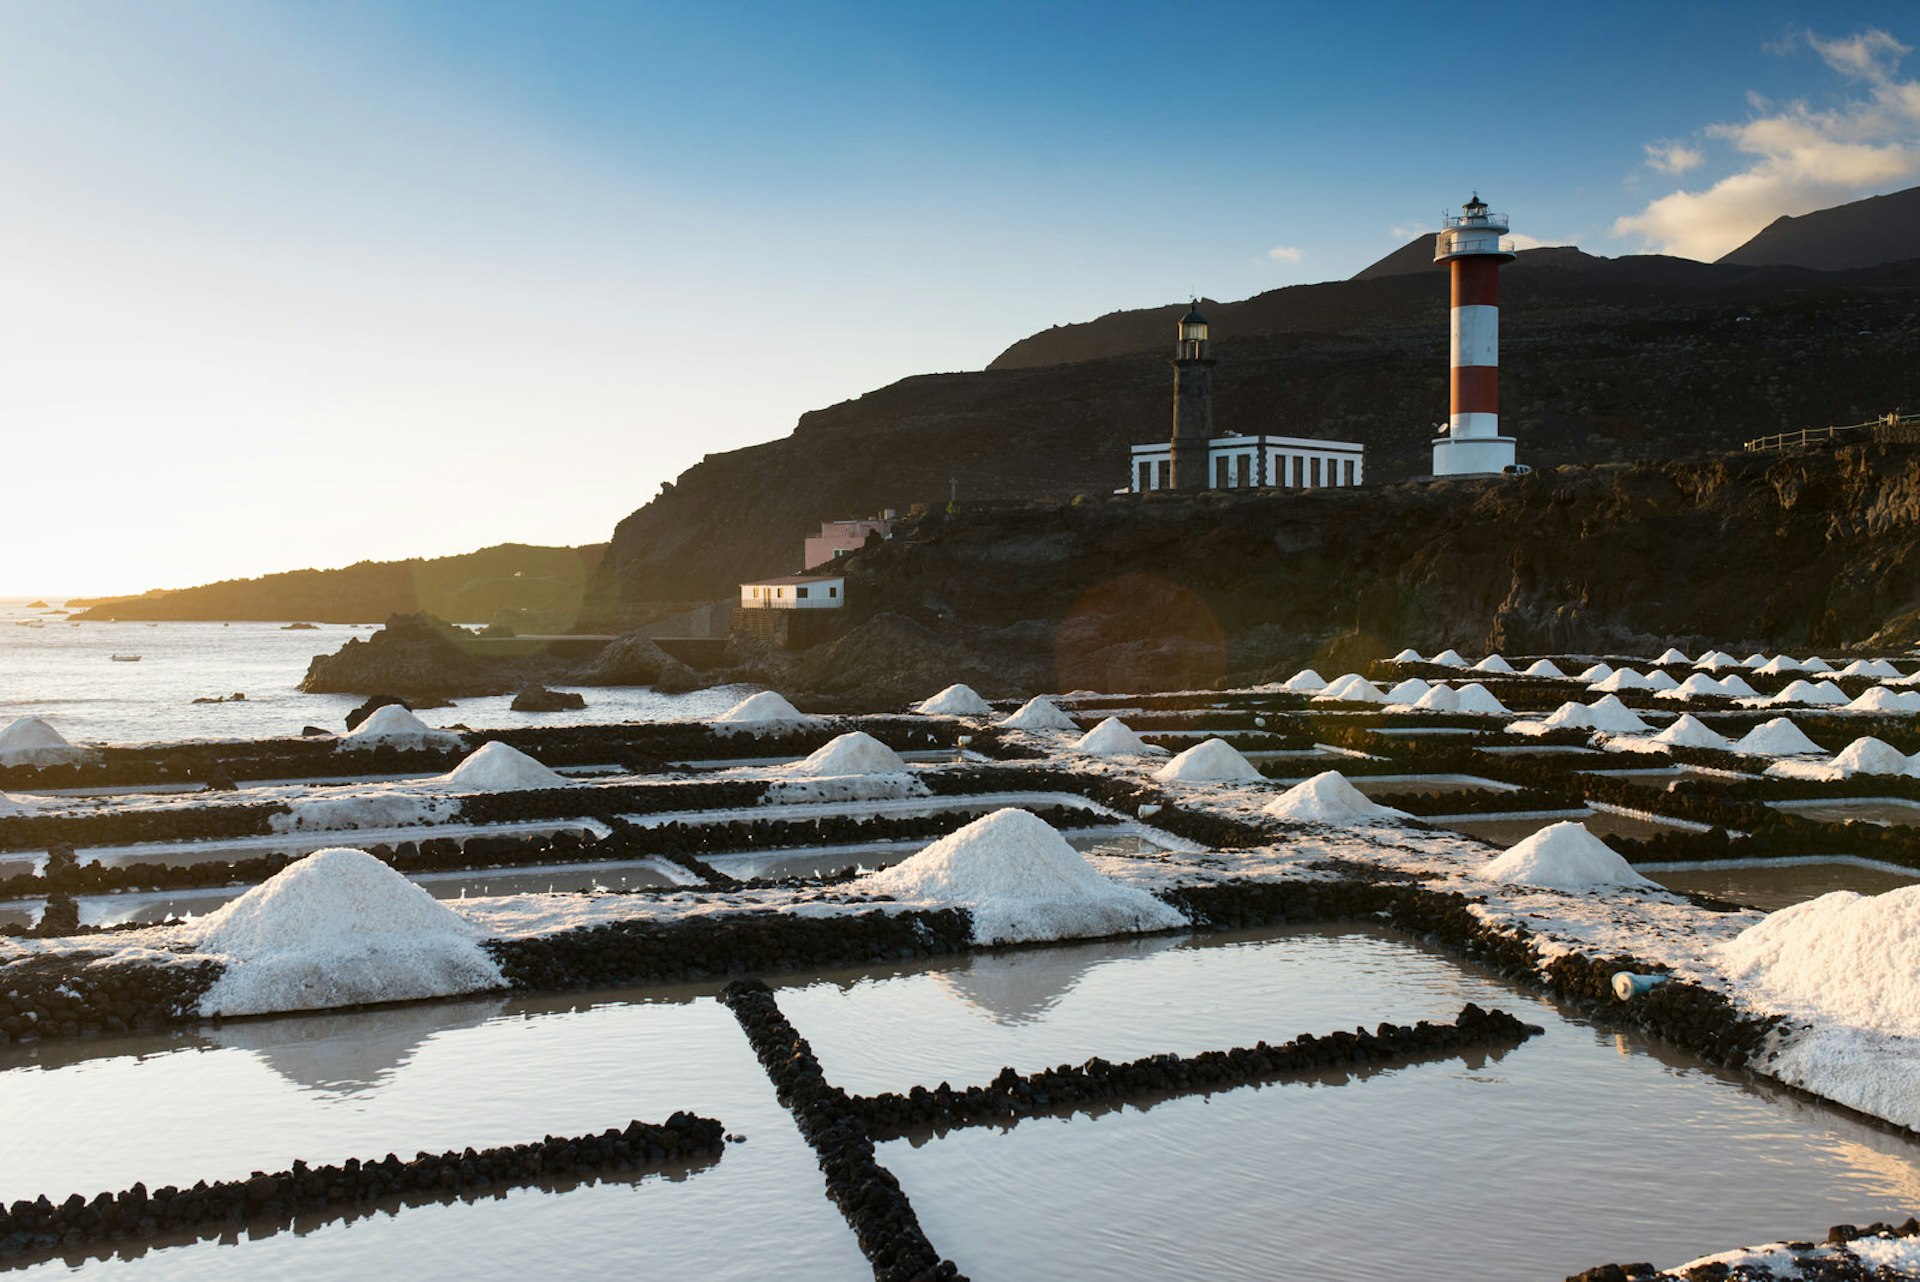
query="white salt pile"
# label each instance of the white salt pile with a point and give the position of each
(1020, 881)
(1879, 699)
(1672, 655)
(1213, 761)
(1568, 716)
(1408, 656)
(1814, 663)
(853, 753)
(30, 741)
(1714, 660)
(1409, 691)
(1753, 660)
(1780, 663)
(955, 701)
(1869, 756)
(1695, 687)
(1039, 713)
(1563, 856)
(1598, 672)
(395, 727)
(1477, 698)
(765, 710)
(1807, 693)
(498, 767)
(1688, 731)
(1610, 716)
(1493, 663)
(1624, 679)
(1661, 681)
(338, 928)
(1736, 685)
(1440, 697)
(1113, 738)
(1449, 659)
(1306, 681)
(1351, 688)
(1328, 798)
(1544, 668)
(1777, 738)
(1857, 668)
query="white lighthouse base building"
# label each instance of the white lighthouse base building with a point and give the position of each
(1457, 454)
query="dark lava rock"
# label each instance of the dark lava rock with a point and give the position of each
(417, 656)
(634, 660)
(537, 698)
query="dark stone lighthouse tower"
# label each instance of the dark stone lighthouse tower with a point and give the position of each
(1191, 466)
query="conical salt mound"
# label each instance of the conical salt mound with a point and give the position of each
(1689, 731)
(1440, 697)
(1493, 663)
(1778, 664)
(1039, 713)
(1661, 681)
(1623, 679)
(498, 767)
(765, 708)
(1412, 690)
(1870, 756)
(1672, 655)
(1814, 663)
(853, 753)
(1448, 659)
(1306, 681)
(1407, 656)
(1876, 699)
(1328, 798)
(1112, 738)
(1477, 698)
(1597, 673)
(1019, 880)
(1777, 738)
(1563, 856)
(1214, 761)
(32, 742)
(394, 726)
(1544, 668)
(1614, 717)
(338, 928)
(1351, 688)
(955, 701)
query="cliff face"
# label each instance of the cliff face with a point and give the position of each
(1812, 551)
(1602, 360)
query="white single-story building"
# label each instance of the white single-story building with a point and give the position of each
(795, 592)
(1257, 462)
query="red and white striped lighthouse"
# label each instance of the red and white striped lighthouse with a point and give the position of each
(1474, 244)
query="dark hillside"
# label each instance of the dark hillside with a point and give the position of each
(1866, 233)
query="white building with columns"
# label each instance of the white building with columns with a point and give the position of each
(1257, 462)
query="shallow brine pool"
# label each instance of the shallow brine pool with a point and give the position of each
(1772, 884)
(1575, 1148)
(1886, 811)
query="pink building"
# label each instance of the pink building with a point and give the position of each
(839, 538)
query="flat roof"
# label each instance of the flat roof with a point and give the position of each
(786, 579)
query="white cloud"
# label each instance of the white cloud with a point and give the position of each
(1803, 159)
(1521, 240)
(1674, 157)
(1286, 253)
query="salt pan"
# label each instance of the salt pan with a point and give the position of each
(1328, 798)
(338, 928)
(1020, 881)
(1039, 713)
(1212, 761)
(955, 701)
(1563, 856)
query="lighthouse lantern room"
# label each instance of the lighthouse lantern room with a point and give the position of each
(1475, 244)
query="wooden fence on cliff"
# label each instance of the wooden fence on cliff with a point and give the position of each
(1889, 429)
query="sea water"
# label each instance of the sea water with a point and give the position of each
(66, 673)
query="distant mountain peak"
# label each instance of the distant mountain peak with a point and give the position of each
(1862, 233)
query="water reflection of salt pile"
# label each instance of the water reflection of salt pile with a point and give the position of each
(1020, 988)
(351, 1053)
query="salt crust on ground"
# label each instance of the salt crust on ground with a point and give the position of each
(765, 710)
(338, 928)
(956, 700)
(1899, 1257)
(394, 726)
(1563, 856)
(499, 767)
(1328, 798)
(396, 807)
(1777, 738)
(15, 806)
(853, 753)
(1210, 761)
(1021, 882)
(1039, 713)
(1113, 738)
(30, 741)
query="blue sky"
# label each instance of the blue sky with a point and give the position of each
(297, 284)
